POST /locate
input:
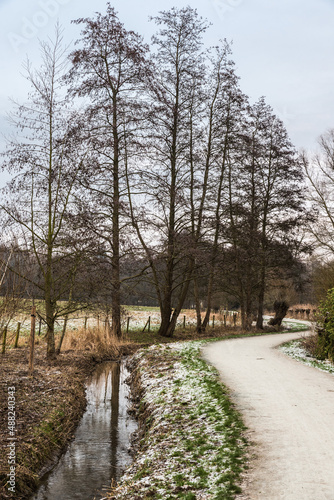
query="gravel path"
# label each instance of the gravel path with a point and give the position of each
(289, 410)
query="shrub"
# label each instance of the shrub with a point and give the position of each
(325, 329)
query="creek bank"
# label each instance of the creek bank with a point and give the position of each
(100, 450)
(190, 442)
(49, 406)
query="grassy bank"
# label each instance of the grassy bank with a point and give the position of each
(301, 350)
(191, 444)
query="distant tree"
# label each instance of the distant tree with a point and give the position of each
(319, 170)
(12, 286)
(266, 205)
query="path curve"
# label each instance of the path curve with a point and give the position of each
(288, 408)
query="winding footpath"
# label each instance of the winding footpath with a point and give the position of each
(288, 408)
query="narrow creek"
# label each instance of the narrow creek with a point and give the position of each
(99, 452)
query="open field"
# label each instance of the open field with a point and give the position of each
(134, 320)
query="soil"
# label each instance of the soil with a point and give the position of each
(288, 409)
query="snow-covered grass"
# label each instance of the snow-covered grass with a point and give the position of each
(193, 447)
(294, 326)
(296, 350)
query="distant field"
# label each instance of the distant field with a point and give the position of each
(141, 308)
(134, 322)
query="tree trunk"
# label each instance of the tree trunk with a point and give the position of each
(209, 299)
(169, 331)
(62, 336)
(198, 306)
(243, 317)
(259, 321)
(166, 313)
(280, 308)
(50, 321)
(115, 260)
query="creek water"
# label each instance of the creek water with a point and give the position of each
(99, 452)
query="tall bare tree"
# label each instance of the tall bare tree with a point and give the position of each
(45, 158)
(224, 104)
(110, 68)
(266, 205)
(319, 170)
(165, 230)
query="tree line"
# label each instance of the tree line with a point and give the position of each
(147, 164)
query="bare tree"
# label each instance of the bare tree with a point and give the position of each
(266, 205)
(12, 287)
(319, 171)
(45, 159)
(110, 68)
(165, 229)
(225, 105)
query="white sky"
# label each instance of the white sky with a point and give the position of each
(283, 49)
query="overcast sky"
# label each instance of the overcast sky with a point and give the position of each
(283, 49)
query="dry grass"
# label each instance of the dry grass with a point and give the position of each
(94, 339)
(302, 311)
(310, 343)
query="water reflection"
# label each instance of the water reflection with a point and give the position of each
(99, 451)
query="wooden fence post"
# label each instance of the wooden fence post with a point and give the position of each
(32, 340)
(62, 335)
(184, 322)
(85, 325)
(234, 319)
(225, 320)
(4, 340)
(40, 326)
(147, 324)
(17, 335)
(127, 324)
(98, 322)
(213, 321)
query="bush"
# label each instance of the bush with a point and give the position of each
(325, 329)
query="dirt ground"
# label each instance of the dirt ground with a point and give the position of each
(289, 410)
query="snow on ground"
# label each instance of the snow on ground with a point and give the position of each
(193, 447)
(296, 351)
